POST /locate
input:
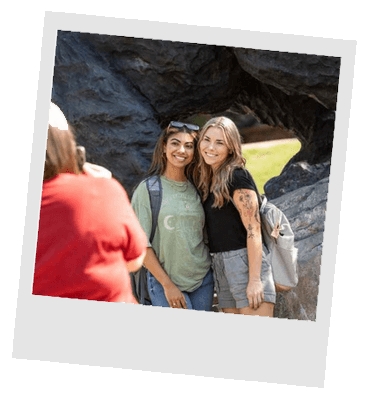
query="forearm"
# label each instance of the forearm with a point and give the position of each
(152, 264)
(254, 251)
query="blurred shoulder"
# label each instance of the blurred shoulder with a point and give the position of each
(104, 186)
(109, 185)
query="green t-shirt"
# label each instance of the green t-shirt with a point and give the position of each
(179, 238)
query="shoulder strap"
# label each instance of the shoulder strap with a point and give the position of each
(263, 203)
(155, 190)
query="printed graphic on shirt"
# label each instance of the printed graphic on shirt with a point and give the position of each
(166, 222)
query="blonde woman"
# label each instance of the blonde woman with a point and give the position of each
(243, 277)
(177, 261)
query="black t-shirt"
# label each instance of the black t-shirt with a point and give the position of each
(225, 229)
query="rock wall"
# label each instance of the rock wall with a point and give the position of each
(305, 208)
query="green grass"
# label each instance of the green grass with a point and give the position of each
(265, 163)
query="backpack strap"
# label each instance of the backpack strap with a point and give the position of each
(263, 203)
(155, 190)
(139, 278)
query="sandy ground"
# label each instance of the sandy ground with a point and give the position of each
(267, 143)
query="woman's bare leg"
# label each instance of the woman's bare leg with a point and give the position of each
(265, 310)
(231, 310)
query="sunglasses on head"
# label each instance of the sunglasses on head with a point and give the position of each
(179, 125)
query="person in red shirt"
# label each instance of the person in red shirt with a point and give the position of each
(89, 238)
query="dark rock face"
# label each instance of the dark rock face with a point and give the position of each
(305, 209)
(311, 122)
(294, 74)
(178, 79)
(104, 110)
(295, 175)
(119, 92)
(301, 90)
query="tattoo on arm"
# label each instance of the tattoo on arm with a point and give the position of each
(250, 233)
(257, 216)
(245, 199)
(248, 206)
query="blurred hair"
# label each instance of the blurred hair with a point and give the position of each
(205, 179)
(60, 153)
(159, 158)
(81, 157)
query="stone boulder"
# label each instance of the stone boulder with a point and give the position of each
(178, 79)
(104, 110)
(305, 208)
(302, 91)
(295, 175)
(294, 74)
(119, 92)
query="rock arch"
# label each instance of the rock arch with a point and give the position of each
(118, 92)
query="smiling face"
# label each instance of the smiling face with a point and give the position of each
(213, 147)
(179, 150)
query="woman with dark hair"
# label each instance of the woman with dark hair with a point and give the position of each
(243, 277)
(177, 260)
(89, 237)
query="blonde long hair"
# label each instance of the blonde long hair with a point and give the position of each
(206, 180)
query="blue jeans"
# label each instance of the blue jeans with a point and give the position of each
(200, 299)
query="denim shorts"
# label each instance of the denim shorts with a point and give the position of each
(231, 276)
(200, 299)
